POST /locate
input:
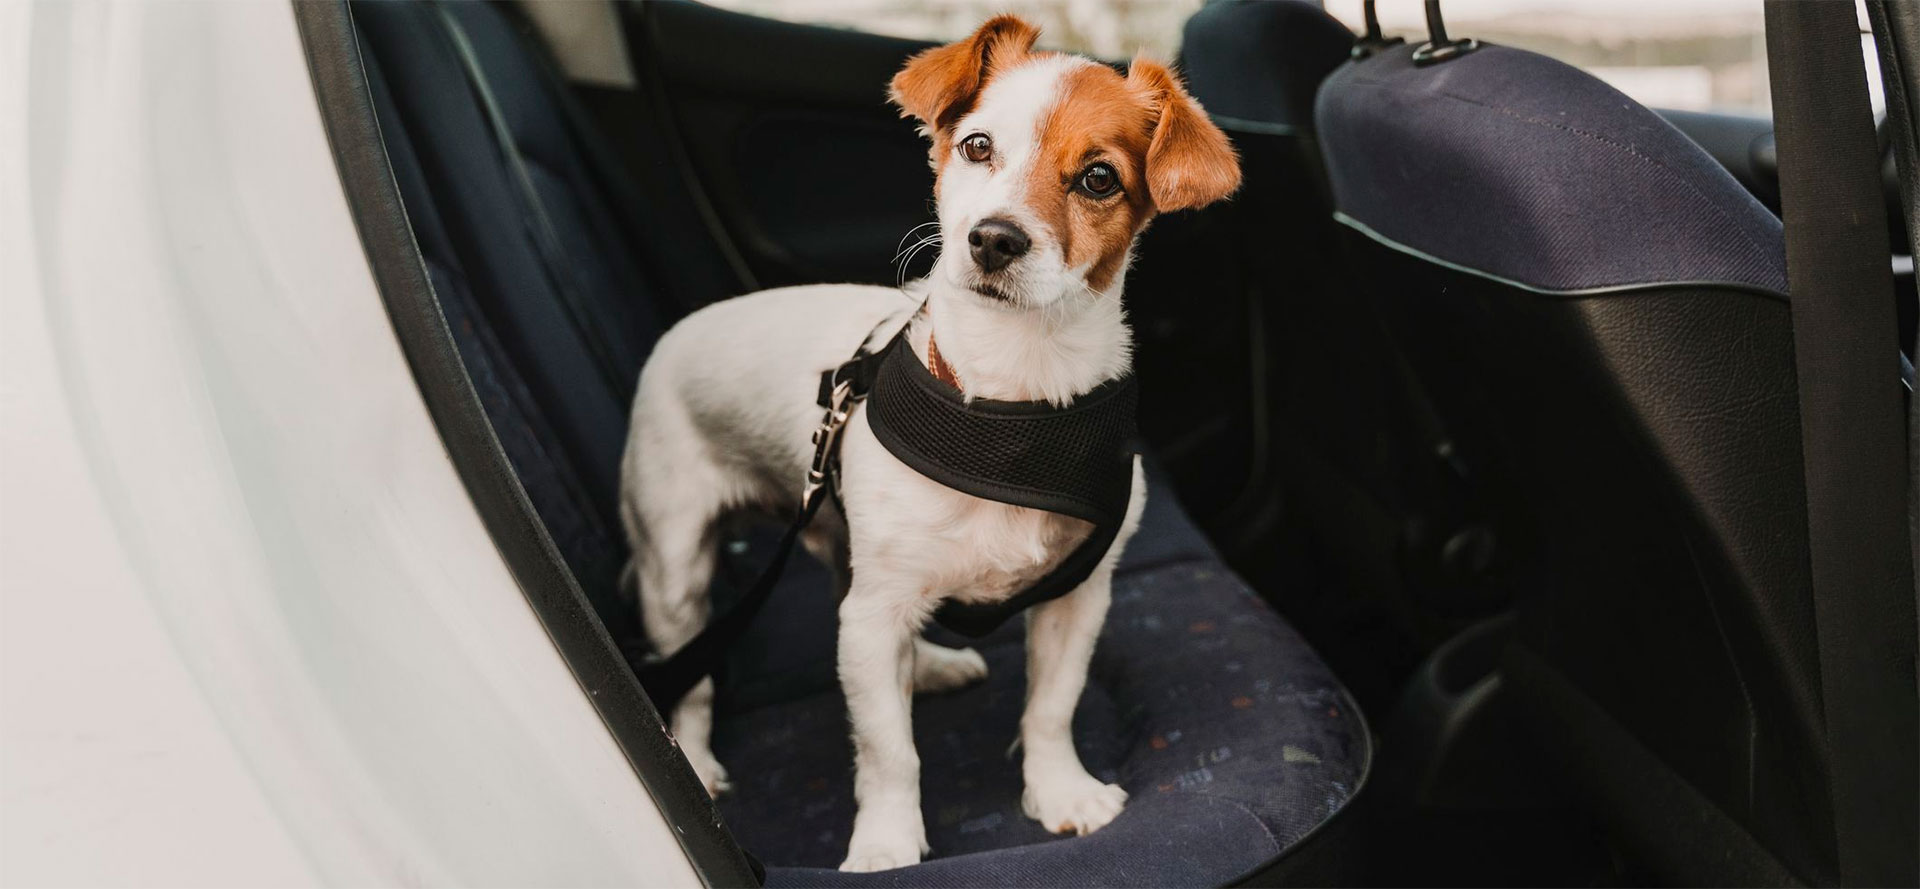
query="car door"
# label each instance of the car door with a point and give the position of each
(786, 132)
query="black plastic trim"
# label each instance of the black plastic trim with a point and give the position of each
(353, 132)
(1691, 841)
(1260, 127)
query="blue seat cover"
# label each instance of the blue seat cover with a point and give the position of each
(1230, 736)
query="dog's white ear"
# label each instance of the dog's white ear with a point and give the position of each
(1190, 163)
(939, 85)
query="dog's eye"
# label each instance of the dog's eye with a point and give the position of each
(977, 148)
(1099, 180)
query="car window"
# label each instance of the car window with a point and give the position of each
(1112, 29)
(1689, 55)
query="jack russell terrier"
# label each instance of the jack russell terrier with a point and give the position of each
(1048, 167)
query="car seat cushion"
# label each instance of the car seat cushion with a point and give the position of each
(787, 652)
(1594, 190)
(1232, 738)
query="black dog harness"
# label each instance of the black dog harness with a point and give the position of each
(1075, 460)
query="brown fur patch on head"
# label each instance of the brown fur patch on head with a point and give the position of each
(1168, 155)
(1097, 119)
(939, 85)
(1191, 163)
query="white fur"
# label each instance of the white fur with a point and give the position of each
(722, 422)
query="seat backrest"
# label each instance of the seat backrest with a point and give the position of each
(1374, 517)
(1191, 294)
(1600, 311)
(539, 254)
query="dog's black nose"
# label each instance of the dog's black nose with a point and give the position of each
(996, 243)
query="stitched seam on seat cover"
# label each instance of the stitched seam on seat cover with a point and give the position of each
(1250, 813)
(1665, 170)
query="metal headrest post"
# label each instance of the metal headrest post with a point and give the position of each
(1438, 47)
(1372, 41)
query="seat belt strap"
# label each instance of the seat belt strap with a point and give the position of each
(1852, 440)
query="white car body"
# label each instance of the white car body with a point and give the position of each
(252, 629)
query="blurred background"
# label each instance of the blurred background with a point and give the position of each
(1690, 55)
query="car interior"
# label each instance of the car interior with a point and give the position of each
(1476, 544)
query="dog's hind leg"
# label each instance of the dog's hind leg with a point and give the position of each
(937, 668)
(671, 522)
(826, 540)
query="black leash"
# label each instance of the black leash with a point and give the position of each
(841, 390)
(1077, 461)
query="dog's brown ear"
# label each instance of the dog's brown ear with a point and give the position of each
(1190, 163)
(939, 85)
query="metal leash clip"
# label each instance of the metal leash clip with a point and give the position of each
(825, 437)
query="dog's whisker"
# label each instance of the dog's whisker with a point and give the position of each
(900, 274)
(935, 238)
(903, 238)
(930, 222)
(901, 262)
(909, 252)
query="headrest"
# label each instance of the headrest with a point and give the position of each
(1260, 61)
(1517, 166)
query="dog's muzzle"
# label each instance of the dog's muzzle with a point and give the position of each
(996, 243)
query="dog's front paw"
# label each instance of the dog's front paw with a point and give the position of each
(937, 668)
(1076, 804)
(885, 843)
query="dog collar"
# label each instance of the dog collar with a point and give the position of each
(938, 366)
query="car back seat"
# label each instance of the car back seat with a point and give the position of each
(1235, 741)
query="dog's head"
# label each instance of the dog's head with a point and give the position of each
(1047, 166)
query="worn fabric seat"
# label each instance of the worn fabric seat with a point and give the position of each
(1233, 738)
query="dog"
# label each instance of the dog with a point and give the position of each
(1047, 167)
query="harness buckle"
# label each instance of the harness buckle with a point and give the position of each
(826, 438)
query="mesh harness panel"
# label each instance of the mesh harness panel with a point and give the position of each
(1075, 460)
